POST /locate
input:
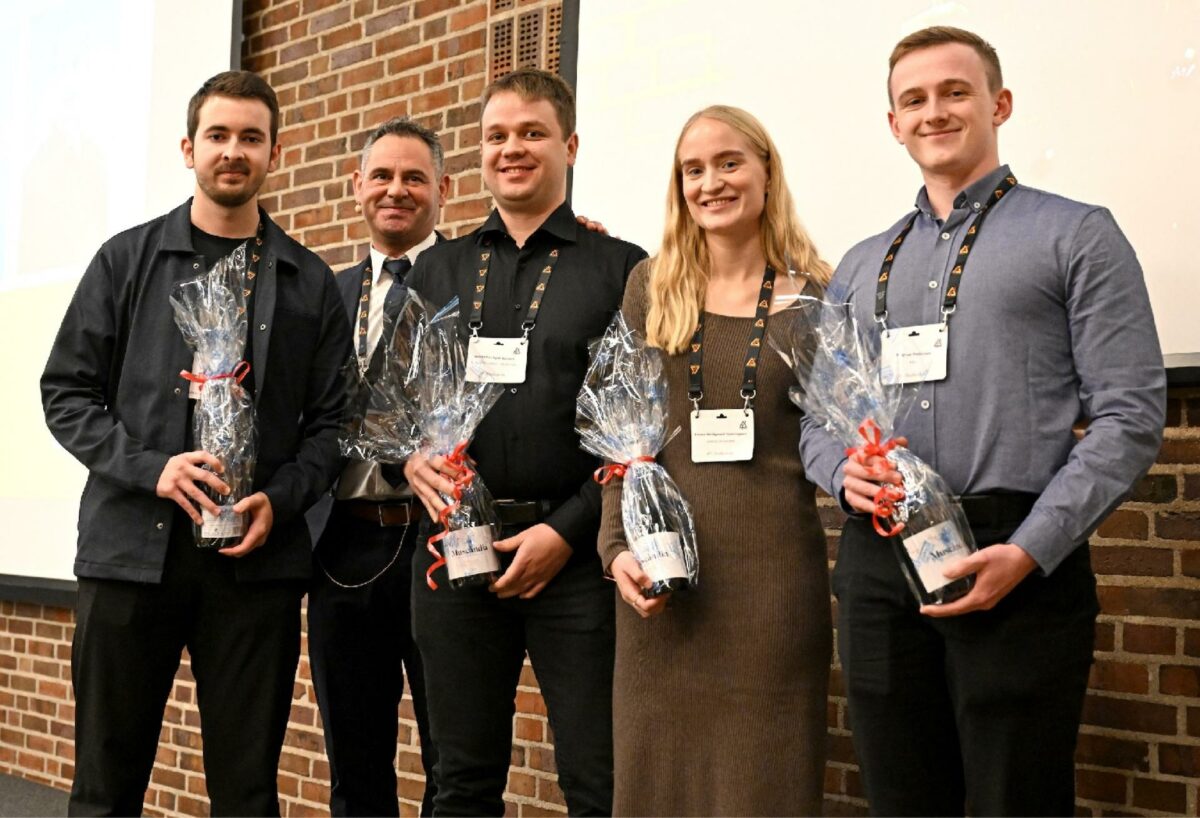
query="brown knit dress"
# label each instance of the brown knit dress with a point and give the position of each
(719, 703)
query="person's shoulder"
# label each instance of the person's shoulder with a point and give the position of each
(149, 231)
(1049, 208)
(447, 249)
(610, 245)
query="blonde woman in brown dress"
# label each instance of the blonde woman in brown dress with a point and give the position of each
(719, 697)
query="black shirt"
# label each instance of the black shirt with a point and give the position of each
(526, 448)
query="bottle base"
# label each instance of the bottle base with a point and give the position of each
(666, 586)
(949, 593)
(473, 581)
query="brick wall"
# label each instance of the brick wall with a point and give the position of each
(342, 66)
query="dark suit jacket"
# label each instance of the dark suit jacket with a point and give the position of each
(349, 283)
(113, 397)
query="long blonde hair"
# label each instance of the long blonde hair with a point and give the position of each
(679, 273)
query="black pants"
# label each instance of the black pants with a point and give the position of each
(975, 713)
(360, 645)
(244, 642)
(474, 645)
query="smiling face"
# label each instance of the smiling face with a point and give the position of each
(232, 152)
(944, 114)
(525, 154)
(724, 180)
(399, 193)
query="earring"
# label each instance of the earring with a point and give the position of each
(357, 207)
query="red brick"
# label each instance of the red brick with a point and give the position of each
(369, 72)
(1190, 562)
(410, 59)
(1174, 416)
(1170, 603)
(1134, 562)
(298, 51)
(522, 784)
(1179, 450)
(397, 41)
(472, 16)
(464, 210)
(397, 89)
(349, 56)
(280, 15)
(462, 44)
(1191, 642)
(471, 64)
(319, 88)
(292, 73)
(1177, 680)
(341, 36)
(1179, 759)
(1101, 785)
(383, 22)
(1191, 486)
(1180, 525)
(463, 161)
(434, 29)
(548, 792)
(1124, 714)
(375, 116)
(322, 150)
(424, 8)
(1167, 796)
(1155, 488)
(1147, 639)
(329, 19)
(1125, 525)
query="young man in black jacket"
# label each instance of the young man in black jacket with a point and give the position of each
(114, 398)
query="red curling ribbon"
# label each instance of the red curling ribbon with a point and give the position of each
(888, 495)
(465, 477)
(238, 374)
(607, 472)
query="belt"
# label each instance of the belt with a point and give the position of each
(523, 512)
(389, 513)
(997, 510)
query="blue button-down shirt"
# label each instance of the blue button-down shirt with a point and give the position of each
(1052, 325)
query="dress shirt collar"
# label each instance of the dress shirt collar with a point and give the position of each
(973, 197)
(177, 237)
(378, 258)
(561, 224)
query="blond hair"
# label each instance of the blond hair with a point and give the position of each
(679, 273)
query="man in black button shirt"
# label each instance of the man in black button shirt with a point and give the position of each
(551, 599)
(359, 631)
(113, 397)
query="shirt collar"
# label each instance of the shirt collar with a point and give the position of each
(973, 197)
(378, 258)
(560, 223)
(177, 235)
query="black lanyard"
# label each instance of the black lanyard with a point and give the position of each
(951, 300)
(253, 255)
(475, 321)
(364, 302)
(750, 370)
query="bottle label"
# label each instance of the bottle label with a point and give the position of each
(660, 555)
(469, 552)
(226, 524)
(935, 549)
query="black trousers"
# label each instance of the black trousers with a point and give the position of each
(474, 645)
(360, 645)
(973, 714)
(244, 643)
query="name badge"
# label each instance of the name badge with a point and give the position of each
(915, 354)
(496, 360)
(722, 435)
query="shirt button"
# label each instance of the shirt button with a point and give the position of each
(262, 326)
(977, 205)
(195, 265)
(933, 285)
(512, 391)
(517, 307)
(159, 526)
(924, 404)
(946, 236)
(177, 390)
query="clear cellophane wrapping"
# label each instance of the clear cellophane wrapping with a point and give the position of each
(843, 386)
(210, 311)
(622, 416)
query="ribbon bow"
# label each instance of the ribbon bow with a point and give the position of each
(888, 495)
(238, 374)
(462, 481)
(607, 472)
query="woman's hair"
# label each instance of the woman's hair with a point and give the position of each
(679, 273)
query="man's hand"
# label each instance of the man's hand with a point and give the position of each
(631, 579)
(541, 554)
(262, 517)
(427, 476)
(178, 482)
(861, 481)
(595, 227)
(998, 569)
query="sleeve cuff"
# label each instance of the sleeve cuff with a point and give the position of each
(1044, 540)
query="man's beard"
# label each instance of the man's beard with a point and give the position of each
(230, 197)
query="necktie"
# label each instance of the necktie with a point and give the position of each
(392, 302)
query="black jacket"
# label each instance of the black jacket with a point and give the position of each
(114, 399)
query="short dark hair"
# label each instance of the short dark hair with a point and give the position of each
(242, 84)
(941, 35)
(403, 126)
(535, 84)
